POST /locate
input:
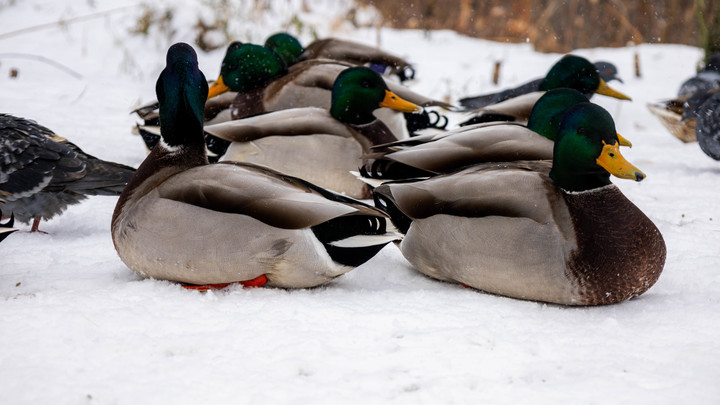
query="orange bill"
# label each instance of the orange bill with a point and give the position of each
(393, 101)
(611, 160)
(217, 88)
(606, 90)
(623, 141)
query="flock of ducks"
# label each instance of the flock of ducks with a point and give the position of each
(694, 114)
(255, 178)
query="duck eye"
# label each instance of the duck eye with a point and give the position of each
(365, 84)
(581, 131)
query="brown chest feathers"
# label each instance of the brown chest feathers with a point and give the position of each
(620, 252)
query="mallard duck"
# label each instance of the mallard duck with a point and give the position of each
(245, 67)
(183, 219)
(571, 71)
(306, 84)
(291, 51)
(679, 114)
(253, 80)
(319, 145)
(430, 155)
(517, 109)
(42, 173)
(557, 232)
(7, 228)
(670, 113)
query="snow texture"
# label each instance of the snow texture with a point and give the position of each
(78, 327)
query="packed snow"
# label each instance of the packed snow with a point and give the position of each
(77, 326)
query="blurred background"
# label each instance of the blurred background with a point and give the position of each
(563, 25)
(549, 25)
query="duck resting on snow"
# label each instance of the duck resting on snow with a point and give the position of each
(254, 80)
(305, 84)
(557, 232)
(291, 51)
(185, 220)
(433, 154)
(570, 71)
(319, 145)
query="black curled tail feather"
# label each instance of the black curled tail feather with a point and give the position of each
(382, 197)
(345, 227)
(386, 169)
(406, 73)
(426, 119)
(216, 147)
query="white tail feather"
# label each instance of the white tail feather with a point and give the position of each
(370, 182)
(366, 240)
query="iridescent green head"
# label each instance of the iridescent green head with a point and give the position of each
(181, 91)
(358, 91)
(286, 46)
(578, 73)
(587, 150)
(247, 67)
(550, 109)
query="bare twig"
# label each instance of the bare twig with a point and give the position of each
(62, 22)
(44, 60)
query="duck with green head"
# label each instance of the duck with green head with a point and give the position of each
(246, 67)
(255, 79)
(305, 84)
(291, 51)
(434, 154)
(319, 145)
(571, 71)
(183, 219)
(557, 232)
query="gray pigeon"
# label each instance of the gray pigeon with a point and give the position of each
(42, 173)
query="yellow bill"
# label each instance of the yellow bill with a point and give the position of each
(623, 141)
(393, 101)
(606, 90)
(217, 88)
(611, 160)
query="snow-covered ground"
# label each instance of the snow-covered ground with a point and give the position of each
(77, 326)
